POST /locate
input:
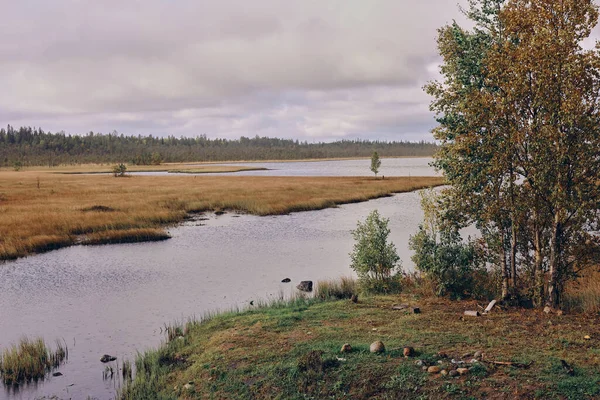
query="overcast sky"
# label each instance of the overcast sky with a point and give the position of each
(317, 70)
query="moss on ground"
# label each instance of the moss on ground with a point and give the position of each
(292, 352)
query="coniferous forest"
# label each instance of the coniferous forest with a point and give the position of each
(32, 146)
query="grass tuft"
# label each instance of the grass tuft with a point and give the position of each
(126, 236)
(343, 288)
(30, 360)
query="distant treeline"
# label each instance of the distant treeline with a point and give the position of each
(32, 146)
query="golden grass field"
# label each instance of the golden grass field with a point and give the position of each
(192, 168)
(41, 211)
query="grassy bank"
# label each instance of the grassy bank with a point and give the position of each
(293, 352)
(43, 211)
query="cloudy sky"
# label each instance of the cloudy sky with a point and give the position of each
(316, 70)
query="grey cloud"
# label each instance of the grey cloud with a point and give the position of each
(317, 69)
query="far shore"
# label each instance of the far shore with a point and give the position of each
(165, 167)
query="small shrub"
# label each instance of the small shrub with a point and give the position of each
(119, 170)
(374, 259)
(446, 259)
(441, 254)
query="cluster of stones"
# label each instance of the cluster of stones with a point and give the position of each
(451, 367)
(444, 367)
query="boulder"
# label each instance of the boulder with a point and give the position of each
(377, 347)
(462, 371)
(305, 286)
(107, 358)
(478, 354)
(434, 369)
(453, 373)
(286, 280)
(408, 351)
(444, 372)
(346, 348)
(56, 374)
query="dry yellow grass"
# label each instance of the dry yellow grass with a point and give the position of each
(65, 207)
(583, 294)
(193, 168)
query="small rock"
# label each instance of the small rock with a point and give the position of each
(408, 351)
(478, 354)
(441, 354)
(305, 286)
(374, 329)
(434, 369)
(462, 371)
(354, 298)
(377, 347)
(424, 368)
(440, 362)
(57, 374)
(107, 358)
(188, 386)
(453, 373)
(341, 359)
(419, 363)
(466, 355)
(560, 312)
(416, 310)
(444, 372)
(473, 361)
(346, 348)
(286, 280)
(587, 337)
(547, 310)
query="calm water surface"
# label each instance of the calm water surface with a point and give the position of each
(116, 298)
(389, 167)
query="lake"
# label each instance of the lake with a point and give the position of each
(116, 299)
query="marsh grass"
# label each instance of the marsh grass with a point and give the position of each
(342, 288)
(126, 236)
(30, 360)
(191, 168)
(216, 169)
(65, 207)
(583, 295)
(127, 371)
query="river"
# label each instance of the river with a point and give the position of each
(116, 298)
